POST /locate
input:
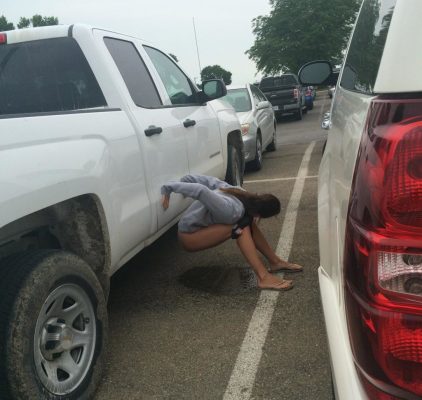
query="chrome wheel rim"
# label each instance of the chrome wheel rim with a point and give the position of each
(64, 339)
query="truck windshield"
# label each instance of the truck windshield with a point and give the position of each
(283, 80)
(239, 99)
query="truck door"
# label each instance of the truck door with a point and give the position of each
(200, 121)
(161, 135)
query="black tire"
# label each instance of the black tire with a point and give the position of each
(273, 145)
(299, 114)
(29, 312)
(323, 147)
(256, 163)
(234, 174)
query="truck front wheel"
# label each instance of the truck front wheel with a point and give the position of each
(234, 174)
(54, 327)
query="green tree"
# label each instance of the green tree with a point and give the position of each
(39, 20)
(5, 25)
(298, 31)
(215, 71)
(24, 23)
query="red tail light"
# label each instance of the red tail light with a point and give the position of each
(296, 93)
(383, 251)
(3, 38)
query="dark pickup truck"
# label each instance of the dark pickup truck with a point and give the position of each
(285, 94)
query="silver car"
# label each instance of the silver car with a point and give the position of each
(257, 120)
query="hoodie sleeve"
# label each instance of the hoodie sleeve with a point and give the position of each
(214, 202)
(209, 181)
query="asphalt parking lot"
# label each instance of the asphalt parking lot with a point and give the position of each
(180, 323)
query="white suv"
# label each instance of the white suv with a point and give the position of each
(370, 206)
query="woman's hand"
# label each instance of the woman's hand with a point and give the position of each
(165, 201)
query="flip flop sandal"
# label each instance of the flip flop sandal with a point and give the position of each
(288, 270)
(283, 289)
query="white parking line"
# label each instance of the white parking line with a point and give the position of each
(244, 372)
(289, 178)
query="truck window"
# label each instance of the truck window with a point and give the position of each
(278, 81)
(175, 81)
(134, 72)
(50, 75)
(367, 45)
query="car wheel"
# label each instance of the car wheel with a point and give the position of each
(273, 145)
(54, 327)
(234, 175)
(299, 114)
(256, 163)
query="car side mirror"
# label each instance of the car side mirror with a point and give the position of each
(263, 104)
(326, 121)
(317, 73)
(212, 89)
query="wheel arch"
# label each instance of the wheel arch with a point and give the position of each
(77, 225)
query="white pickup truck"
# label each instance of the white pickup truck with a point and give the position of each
(92, 123)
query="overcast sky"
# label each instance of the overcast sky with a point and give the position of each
(223, 27)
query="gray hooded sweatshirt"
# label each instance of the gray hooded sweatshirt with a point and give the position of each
(211, 206)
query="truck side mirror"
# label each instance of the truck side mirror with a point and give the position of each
(317, 73)
(213, 89)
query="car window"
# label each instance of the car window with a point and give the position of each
(134, 72)
(367, 45)
(258, 94)
(239, 99)
(50, 75)
(278, 81)
(177, 85)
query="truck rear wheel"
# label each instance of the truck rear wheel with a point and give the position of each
(54, 327)
(299, 114)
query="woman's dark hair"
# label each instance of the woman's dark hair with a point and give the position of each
(262, 205)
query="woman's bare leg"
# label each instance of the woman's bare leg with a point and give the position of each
(275, 261)
(265, 279)
(205, 238)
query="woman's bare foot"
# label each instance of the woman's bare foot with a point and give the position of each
(272, 282)
(284, 266)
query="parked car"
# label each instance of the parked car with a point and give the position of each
(370, 206)
(285, 94)
(309, 97)
(257, 121)
(92, 124)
